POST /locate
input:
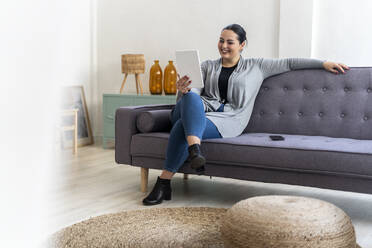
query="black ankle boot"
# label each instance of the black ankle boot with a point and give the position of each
(161, 191)
(197, 160)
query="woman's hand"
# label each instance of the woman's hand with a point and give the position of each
(183, 83)
(332, 66)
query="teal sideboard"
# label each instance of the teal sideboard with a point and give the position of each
(113, 101)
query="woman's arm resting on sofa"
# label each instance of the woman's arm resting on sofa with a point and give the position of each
(271, 67)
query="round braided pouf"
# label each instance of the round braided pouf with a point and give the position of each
(287, 222)
(187, 227)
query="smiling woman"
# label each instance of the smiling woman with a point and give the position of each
(223, 107)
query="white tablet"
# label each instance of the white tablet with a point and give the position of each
(188, 63)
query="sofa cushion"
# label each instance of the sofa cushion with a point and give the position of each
(315, 102)
(311, 154)
(154, 121)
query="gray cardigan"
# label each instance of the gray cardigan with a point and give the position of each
(243, 87)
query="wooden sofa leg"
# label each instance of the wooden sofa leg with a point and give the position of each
(144, 179)
(185, 176)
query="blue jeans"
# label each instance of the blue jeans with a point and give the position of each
(188, 118)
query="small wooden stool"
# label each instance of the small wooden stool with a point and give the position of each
(132, 64)
(74, 127)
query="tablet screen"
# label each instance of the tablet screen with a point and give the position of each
(188, 63)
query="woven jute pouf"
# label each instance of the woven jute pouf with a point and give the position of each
(287, 222)
(149, 228)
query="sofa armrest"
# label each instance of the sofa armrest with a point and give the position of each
(125, 128)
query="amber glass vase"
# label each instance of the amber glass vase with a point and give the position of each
(170, 79)
(156, 77)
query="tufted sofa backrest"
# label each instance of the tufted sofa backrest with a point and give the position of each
(315, 102)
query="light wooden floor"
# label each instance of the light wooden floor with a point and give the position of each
(92, 184)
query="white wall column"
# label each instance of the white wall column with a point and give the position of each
(295, 29)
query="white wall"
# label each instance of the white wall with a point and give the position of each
(158, 28)
(44, 44)
(335, 30)
(343, 31)
(76, 49)
(296, 25)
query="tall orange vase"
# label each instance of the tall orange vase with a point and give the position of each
(170, 79)
(156, 77)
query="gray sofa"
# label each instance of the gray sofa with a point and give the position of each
(326, 120)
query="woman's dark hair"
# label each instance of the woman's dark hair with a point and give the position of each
(239, 30)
